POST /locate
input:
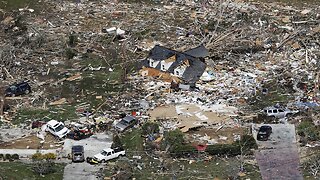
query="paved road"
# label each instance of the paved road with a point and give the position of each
(278, 158)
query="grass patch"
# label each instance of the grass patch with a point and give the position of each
(61, 113)
(18, 170)
(132, 140)
(37, 5)
(261, 101)
(183, 169)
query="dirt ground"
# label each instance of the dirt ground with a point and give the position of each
(31, 142)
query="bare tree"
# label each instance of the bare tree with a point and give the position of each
(246, 144)
(43, 167)
(313, 166)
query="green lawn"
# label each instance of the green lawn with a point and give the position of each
(60, 113)
(18, 170)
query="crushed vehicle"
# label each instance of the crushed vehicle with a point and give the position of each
(78, 133)
(278, 112)
(108, 154)
(264, 133)
(77, 153)
(92, 160)
(125, 123)
(18, 89)
(57, 128)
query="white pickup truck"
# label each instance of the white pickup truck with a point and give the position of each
(108, 154)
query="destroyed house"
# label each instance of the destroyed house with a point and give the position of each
(184, 65)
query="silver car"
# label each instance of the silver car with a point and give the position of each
(126, 123)
(278, 112)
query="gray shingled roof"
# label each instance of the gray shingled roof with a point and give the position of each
(193, 72)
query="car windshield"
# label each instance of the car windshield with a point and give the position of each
(124, 122)
(262, 132)
(104, 153)
(59, 128)
(13, 88)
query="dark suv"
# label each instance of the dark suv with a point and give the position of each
(264, 133)
(18, 89)
(77, 153)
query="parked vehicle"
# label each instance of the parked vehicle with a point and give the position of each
(77, 153)
(108, 154)
(18, 89)
(264, 133)
(126, 123)
(278, 112)
(57, 128)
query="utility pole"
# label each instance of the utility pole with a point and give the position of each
(1, 105)
(2, 100)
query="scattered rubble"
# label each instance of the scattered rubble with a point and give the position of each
(206, 68)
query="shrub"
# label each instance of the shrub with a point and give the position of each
(150, 128)
(48, 156)
(15, 156)
(173, 138)
(72, 40)
(224, 149)
(116, 142)
(70, 53)
(183, 150)
(37, 156)
(178, 149)
(308, 130)
(8, 156)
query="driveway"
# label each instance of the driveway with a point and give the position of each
(278, 158)
(92, 146)
(283, 135)
(81, 171)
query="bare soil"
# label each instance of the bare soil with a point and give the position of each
(31, 142)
